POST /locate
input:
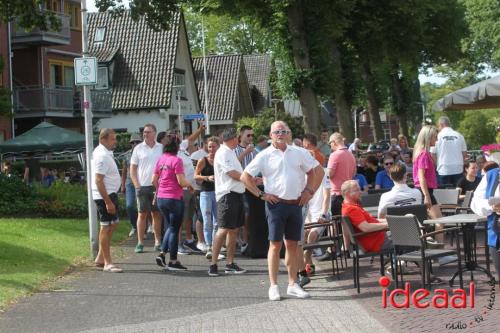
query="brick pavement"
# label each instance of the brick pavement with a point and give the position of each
(146, 299)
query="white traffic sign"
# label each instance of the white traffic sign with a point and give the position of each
(85, 71)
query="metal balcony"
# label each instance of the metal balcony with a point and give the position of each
(37, 101)
(42, 38)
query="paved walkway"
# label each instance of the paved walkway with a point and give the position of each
(146, 299)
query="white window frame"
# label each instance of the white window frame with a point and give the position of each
(100, 35)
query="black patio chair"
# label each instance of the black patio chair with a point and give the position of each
(406, 233)
(359, 252)
(370, 200)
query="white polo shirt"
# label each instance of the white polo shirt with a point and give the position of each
(225, 160)
(187, 162)
(399, 195)
(103, 163)
(145, 158)
(283, 171)
(449, 148)
(315, 205)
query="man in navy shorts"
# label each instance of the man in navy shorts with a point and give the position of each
(291, 176)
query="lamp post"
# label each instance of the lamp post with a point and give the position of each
(178, 94)
(205, 89)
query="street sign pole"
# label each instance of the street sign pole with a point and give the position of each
(89, 144)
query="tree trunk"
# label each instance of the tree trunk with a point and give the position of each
(300, 51)
(343, 109)
(367, 76)
(398, 102)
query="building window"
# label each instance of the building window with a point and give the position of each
(73, 10)
(100, 34)
(62, 75)
(102, 78)
(180, 83)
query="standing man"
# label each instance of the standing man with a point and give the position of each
(450, 152)
(142, 165)
(245, 151)
(127, 185)
(104, 192)
(323, 145)
(284, 169)
(342, 166)
(229, 196)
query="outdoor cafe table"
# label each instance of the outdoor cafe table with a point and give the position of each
(467, 222)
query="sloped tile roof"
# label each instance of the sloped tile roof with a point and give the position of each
(258, 68)
(104, 54)
(222, 84)
(144, 65)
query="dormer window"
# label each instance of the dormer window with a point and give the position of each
(100, 34)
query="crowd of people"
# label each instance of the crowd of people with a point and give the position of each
(173, 184)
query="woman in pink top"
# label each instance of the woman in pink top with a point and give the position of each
(424, 170)
(168, 178)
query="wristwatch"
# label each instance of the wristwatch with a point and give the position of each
(261, 194)
(311, 192)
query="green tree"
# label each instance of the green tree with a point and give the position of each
(262, 124)
(477, 129)
(28, 14)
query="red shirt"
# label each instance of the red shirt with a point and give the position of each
(343, 165)
(372, 242)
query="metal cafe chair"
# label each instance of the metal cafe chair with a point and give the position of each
(406, 233)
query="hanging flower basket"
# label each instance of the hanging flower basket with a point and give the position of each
(492, 152)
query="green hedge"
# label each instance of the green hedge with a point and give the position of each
(61, 200)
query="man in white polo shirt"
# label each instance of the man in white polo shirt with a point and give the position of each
(105, 185)
(142, 165)
(400, 194)
(230, 207)
(284, 169)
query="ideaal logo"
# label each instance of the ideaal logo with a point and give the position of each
(440, 299)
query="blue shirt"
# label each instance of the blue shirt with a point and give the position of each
(361, 181)
(383, 180)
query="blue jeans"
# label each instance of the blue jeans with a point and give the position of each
(172, 211)
(208, 207)
(131, 204)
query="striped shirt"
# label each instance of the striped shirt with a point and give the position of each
(247, 159)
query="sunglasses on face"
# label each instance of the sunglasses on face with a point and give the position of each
(249, 135)
(280, 132)
(389, 163)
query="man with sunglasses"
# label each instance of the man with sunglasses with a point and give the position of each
(291, 177)
(245, 151)
(383, 180)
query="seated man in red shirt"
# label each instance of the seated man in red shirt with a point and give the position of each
(362, 221)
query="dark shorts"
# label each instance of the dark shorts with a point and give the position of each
(246, 202)
(284, 220)
(336, 206)
(449, 179)
(104, 217)
(145, 197)
(431, 193)
(230, 211)
(197, 210)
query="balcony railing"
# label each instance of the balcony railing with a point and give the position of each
(36, 101)
(40, 37)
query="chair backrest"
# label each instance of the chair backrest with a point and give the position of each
(346, 222)
(380, 190)
(405, 230)
(447, 196)
(467, 199)
(420, 211)
(370, 200)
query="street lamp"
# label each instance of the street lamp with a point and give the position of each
(275, 101)
(178, 94)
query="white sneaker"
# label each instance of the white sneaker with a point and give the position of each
(209, 254)
(244, 247)
(297, 291)
(221, 256)
(202, 247)
(132, 232)
(150, 229)
(274, 293)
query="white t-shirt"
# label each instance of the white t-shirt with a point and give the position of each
(225, 160)
(449, 148)
(479, 203)
(145, 158)
(283, 171)
(103, 163)
(315, 205)
(188, 165)
(199, 154)
(399, 195)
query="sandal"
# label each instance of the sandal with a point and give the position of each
(112, 269)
